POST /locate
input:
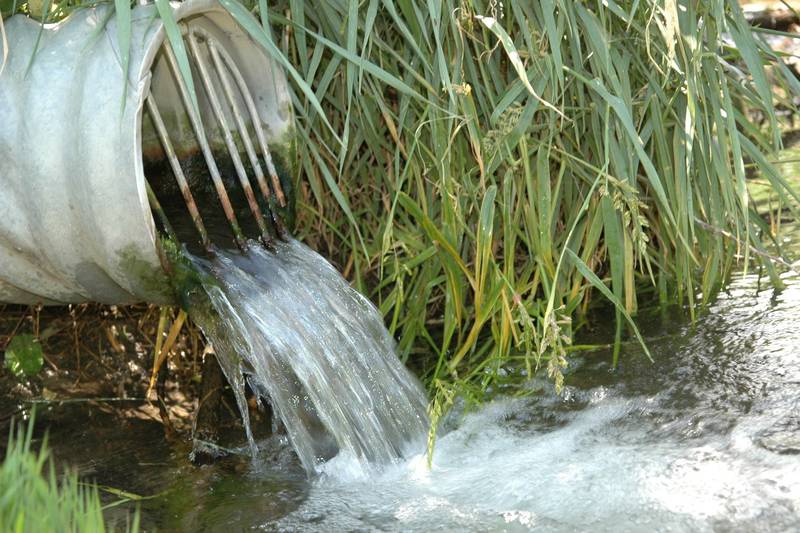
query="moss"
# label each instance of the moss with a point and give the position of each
(284, 157)
(186, 280)
(147, 278)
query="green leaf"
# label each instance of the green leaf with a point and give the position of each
(176, 41)
(592, 278)
(24, 356)
(45, 11)
(483, 253)
(257, 32)
(446, 248)
(514, 57)
(123, 10)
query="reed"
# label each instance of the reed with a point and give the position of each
(486, 170)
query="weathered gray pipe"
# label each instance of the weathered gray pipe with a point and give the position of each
(75, 223)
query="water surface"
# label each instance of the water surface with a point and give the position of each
(706, 438)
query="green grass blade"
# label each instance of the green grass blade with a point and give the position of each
(123, 22)
(246, 20)
(178, 47)
(592, 278)
(513, 56)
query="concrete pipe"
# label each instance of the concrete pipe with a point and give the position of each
(75, 140)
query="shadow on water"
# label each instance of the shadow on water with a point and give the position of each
(132, 455)
(705, 438)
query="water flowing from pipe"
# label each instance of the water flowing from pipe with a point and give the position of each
(289, 324)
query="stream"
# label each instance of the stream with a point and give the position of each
(705, 438)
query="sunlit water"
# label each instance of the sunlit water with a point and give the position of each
(287, 322)
(706, 438)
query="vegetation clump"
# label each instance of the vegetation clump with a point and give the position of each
(484, 171)
(34, 499)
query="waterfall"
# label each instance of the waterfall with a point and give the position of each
(289, 324)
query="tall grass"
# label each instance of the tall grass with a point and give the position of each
(33, 499)
(485, 170)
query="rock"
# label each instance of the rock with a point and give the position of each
(783, 437)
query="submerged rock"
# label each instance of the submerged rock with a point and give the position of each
(783, 437)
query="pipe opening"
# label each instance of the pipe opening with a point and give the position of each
(78, 225)
(210, 170)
